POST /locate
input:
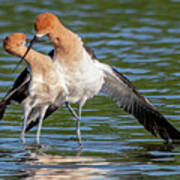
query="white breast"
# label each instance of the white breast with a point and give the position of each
(85, 82)
(47, 89)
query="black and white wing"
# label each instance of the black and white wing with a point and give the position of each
(17, 93)
(128, 98)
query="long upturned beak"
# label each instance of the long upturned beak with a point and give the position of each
(25, 54)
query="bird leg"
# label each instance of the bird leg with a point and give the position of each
(42, 114)
(78, 119)
(27, 110)
(23, 130)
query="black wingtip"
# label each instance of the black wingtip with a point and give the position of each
(31, 125)
(34, 120)
(3, 105)
(147, 115)
(156, 123)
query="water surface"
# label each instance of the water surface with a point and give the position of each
(140, 38)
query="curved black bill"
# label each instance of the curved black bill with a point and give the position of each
(29, 47)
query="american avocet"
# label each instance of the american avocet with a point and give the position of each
(85, 77)
(44, 88)
(19, 92)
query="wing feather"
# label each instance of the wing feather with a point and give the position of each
(121, 90)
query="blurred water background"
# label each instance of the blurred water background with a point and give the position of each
(139, 37)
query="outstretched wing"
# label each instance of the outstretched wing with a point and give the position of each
(128, 98)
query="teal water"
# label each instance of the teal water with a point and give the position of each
(141, 38)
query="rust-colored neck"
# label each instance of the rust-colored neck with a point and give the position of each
(68, 46)
(39, 63)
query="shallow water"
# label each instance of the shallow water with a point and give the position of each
(140, 38)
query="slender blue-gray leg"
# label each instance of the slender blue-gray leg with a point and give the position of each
(78, 132)
(23, 130)
(26, 113)
(78, 121)
(40, 123)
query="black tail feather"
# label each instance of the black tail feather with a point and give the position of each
(33, 121)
